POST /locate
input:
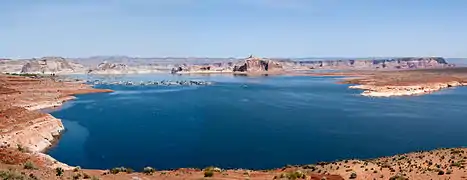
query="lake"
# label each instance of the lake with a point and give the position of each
(251, 122)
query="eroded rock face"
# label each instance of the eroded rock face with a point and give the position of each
(52, 65)
(21, 97)
(36, 137)
(395, 63)
(109, 68)
(418, 89)
(253, 64)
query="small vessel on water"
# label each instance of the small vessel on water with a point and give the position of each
(148, 83)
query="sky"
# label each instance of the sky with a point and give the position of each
(233, 28)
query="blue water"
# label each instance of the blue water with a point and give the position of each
(270, 122)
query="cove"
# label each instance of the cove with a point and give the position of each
(251, 122)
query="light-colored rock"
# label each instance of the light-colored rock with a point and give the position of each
(52, 65)
(388, 91)
(36, 137)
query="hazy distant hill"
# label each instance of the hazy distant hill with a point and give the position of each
(128, 65)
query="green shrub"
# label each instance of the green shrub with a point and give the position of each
(116, 170)
(149, 170)
(208, 173)
(7, 175)
(33, 177)
(294, 175)
(76, 169)
(353, 175)
(94, 178)
(76, 176)
(398, 177)
(29, 165)
(59, 171)
(456, 164)
(22, 149)
(86, 176)
(440, 172)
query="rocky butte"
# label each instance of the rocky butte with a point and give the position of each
(253, 64)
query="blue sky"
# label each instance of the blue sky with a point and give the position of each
(233, 28)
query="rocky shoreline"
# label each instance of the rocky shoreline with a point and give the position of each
(412, 90)
(401, 83)
(22, 125)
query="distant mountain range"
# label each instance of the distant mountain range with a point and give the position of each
(130, 65)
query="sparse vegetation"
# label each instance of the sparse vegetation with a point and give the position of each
(353, 175)
(22, 148)
(208, 173)
(7, 175)
(149, 170)
(76, 169)
(23, 74)
(398, 177)
(76, 176)
(86, 176)
(59, 171)
(293, 175)
(456, 164)
(117, 170)
(29, 165)
(440, 172)
(33, 177)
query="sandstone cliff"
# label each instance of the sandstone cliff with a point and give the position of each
(20, 123)
(109, 68)
(253, 64)
(390, 63)
(121, 68)
(11, 66)
(52, 65)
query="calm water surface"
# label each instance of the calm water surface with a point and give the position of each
(251, 122)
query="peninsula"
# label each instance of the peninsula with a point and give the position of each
(402, 82)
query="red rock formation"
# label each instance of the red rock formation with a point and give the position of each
(253, 64)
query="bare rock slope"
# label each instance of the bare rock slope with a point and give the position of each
(52, 65)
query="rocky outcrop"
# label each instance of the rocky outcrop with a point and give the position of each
(129, 65)
(109, 68)
(52, 65)
(121, 68)
(420, 89)
(12, 66)
(253, 64)
(24, 128)
(36, 136)
(393, 63)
